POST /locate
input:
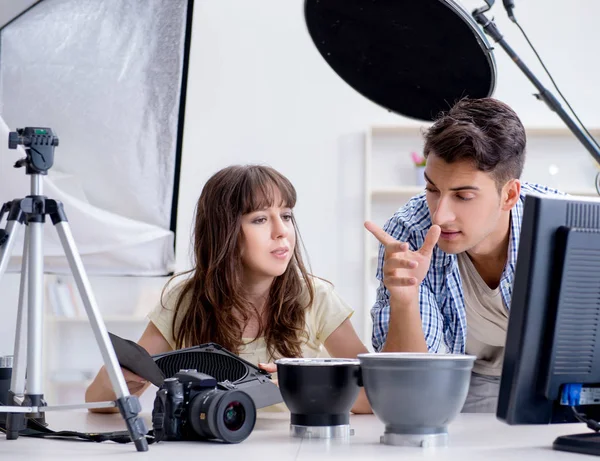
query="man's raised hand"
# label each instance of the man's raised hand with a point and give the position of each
(403, 269)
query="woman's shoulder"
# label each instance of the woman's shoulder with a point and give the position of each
(327, 311)
(321, 287)
(172, 292)
(324, 294)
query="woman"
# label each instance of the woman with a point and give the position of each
(249, 291)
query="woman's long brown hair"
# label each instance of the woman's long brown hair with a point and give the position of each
(212, 306)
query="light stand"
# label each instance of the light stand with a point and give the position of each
(26, 393)
(490, 29)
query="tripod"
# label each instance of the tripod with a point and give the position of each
(26, 393)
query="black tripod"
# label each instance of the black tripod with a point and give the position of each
(26, 392)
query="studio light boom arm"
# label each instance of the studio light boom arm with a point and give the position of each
(545, 95)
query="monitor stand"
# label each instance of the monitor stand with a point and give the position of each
(587, 443)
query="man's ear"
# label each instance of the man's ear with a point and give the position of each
(510, 195)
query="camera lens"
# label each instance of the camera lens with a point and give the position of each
(234, 416)
(222, 415)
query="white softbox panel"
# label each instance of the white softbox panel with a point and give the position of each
(107, 77)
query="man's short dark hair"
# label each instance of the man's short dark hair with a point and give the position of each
(484, 131)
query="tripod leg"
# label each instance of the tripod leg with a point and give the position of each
(13, 224)
(17, 384)
(15, 421)
(128, 405)
(34, 395)
(35, 270)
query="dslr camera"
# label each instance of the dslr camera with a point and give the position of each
(194, 406)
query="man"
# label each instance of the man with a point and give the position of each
(447, 258)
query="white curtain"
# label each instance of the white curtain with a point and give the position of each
(106, 76)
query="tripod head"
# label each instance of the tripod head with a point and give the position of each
(39, 146)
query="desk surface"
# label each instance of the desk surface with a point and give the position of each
(471, 437)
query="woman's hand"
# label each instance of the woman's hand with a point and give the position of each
(101, 388)
(269, 368)
(134, 382)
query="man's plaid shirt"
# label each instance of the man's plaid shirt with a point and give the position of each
(441, 295)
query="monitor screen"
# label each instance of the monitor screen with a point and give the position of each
(551, 370)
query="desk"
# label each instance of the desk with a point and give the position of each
(471, 437)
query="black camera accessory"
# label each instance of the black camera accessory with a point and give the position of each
(228, 369)
(193, 406)
(211, 359)
(189, 406)
(136, 359)
(6, 364)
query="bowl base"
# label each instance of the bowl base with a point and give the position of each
(321, 432)
(415, 440)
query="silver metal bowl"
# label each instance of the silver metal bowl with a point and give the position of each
(416, 395)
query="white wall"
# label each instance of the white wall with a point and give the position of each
(259, 91)
(9, 9)
(563, 34)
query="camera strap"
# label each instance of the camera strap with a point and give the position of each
(38, 430)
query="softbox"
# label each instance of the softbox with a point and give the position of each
(412, 57)
(109, 78)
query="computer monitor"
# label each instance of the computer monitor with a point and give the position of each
(553, 340)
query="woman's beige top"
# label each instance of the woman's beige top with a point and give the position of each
(327, 312)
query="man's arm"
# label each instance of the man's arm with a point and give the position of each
(403, 330)
(402, 296)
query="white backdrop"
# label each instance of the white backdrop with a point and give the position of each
(260, 92)
(106, 77)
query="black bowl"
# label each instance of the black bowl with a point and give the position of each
(319, 391)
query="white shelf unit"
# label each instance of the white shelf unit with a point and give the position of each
(109, 319)
(71, 354)
(554, 158)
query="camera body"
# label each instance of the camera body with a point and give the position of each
(194, 406)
